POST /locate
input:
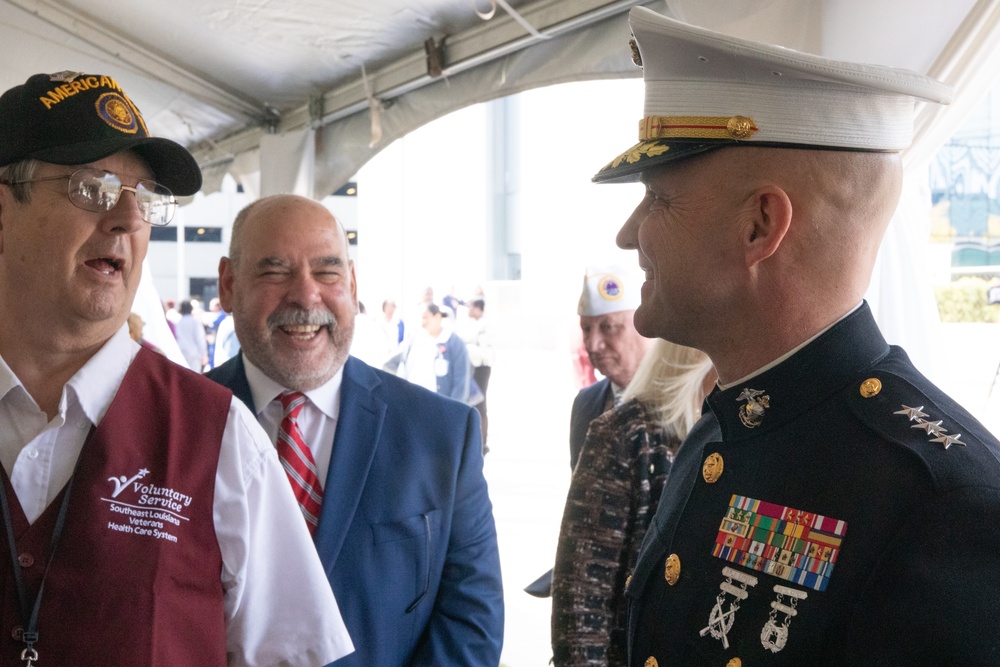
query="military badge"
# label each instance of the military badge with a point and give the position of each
(774, 636)
(931, 428)
(752, 414)
(720, 621)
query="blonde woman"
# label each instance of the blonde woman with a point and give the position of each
(612, 498)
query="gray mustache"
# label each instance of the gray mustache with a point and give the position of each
(299, 317)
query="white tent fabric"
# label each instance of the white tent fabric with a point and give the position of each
(901, 295)
(254, 88)
(288, 163)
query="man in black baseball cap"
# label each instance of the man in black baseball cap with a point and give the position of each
(130, 484)
(70, 118)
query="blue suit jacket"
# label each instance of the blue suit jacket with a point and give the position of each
(406, 532)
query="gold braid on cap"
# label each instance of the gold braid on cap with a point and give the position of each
(696, 127)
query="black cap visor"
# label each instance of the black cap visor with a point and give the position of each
(628, 167)
(172, 164)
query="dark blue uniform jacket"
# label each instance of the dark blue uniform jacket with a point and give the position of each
(837, 509)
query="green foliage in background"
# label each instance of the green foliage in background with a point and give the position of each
(965, 301)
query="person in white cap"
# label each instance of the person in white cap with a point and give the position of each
(832, 506)
(607, 303)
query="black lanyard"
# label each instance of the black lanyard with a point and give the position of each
(30, 633)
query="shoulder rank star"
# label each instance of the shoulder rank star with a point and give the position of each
(752, 414)
(931, 428)
(949, 440)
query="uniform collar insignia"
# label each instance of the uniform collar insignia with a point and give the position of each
(752, 414)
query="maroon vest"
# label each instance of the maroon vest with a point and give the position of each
(136, 577)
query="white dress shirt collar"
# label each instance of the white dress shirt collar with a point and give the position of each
(263, 389)
(93, 386)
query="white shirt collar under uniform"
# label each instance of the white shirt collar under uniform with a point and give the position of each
(786, 355)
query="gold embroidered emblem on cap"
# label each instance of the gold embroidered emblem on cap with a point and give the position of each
(672, 569)
(650, 662)
(696, 127)
(634, 154)
(634, 46)
(871, 387)
(735, 662)
(740, 127)
(711, 470)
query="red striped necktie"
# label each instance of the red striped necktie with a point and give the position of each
(297, 459)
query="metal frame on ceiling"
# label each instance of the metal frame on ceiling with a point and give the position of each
(489, 41)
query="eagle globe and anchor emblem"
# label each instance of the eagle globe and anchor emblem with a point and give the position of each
(752, 414)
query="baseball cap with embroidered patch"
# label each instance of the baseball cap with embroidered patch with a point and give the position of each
(70, 118)
(706, 90)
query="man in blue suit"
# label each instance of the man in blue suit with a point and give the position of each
(405, 526)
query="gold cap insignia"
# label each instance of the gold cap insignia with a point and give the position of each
(651, 662)
(740, 127)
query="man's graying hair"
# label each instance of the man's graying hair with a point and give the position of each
(23, 170)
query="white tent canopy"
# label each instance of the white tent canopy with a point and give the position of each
(297, 96)
(221, 75)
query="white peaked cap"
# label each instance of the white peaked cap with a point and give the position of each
(706, 90)
(609, 289)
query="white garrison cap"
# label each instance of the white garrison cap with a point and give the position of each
(609, 290)
(705, 90)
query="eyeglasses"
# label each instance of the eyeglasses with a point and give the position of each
(98, 191)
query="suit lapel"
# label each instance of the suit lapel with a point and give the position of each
(232, 374)
(358, 427)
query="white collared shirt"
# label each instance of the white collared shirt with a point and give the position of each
(286, 620)
(317, 420)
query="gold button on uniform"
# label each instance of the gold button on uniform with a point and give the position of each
(711, 470)
(871, 387)
(735, 662)
(650, 662)
(672, 571)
